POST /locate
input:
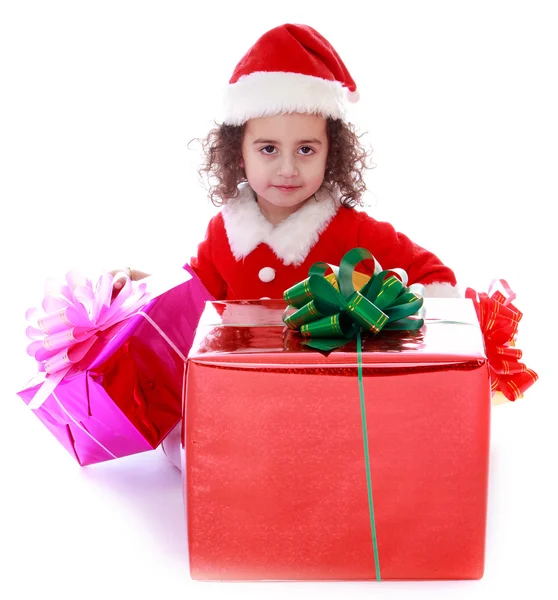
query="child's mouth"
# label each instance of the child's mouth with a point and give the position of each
(286, 188)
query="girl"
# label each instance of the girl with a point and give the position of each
(287, 169)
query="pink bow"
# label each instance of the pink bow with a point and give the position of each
(71, 317)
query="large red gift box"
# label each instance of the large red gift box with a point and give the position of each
(126, 394)
(276, 474)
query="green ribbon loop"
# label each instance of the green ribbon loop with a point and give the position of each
(330, 314)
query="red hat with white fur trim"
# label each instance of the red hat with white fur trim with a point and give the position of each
(291, 68)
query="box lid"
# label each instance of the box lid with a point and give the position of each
(251, 334)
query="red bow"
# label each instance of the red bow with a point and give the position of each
(499, 319)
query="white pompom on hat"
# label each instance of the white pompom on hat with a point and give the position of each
(291, 68)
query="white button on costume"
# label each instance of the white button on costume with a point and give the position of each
(266, 274)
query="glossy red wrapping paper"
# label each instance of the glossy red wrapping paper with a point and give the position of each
(126, 395)
(275, 471)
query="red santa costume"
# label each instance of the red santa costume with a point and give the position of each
(292, 68)
(244, 256)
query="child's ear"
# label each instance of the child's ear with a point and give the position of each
(241, 162)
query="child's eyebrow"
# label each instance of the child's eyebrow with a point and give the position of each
(276, 143)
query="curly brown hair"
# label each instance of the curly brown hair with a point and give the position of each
(346, 161)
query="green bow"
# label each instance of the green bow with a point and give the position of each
(330, 317)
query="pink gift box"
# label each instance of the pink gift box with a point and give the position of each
(126, 394)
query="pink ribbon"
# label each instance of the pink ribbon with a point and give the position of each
(73, 314)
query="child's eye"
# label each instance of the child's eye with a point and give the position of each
(268, 150)
(306, 150)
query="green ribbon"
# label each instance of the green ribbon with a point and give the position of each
(330, 316)
(367, 462)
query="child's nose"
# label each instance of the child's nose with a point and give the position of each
(288, 167)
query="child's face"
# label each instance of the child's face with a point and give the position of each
(284, 158)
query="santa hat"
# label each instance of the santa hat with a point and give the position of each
(291, 68)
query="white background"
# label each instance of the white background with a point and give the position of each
(98, 101)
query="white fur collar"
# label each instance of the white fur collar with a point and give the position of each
(292, 239)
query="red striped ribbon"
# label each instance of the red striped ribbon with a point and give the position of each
(499, 320)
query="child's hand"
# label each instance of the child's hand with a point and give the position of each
(120, 278)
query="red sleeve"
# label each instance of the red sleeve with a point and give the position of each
(204, 264)
(395, 250)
